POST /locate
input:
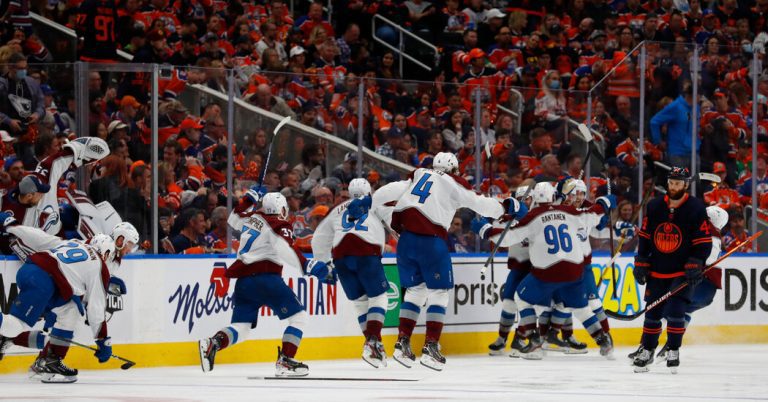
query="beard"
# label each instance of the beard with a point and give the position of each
(675, 195)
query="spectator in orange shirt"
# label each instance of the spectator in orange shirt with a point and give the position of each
(721, 194)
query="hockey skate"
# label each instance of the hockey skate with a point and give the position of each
(662, 355)
(605, 341)
(575, 346)
(51, 370)
(403, 353)
(517, 346)
(533, 350)
(288, 367)
(643, 360)
(208, 349)
(673, 360)
(431, 356)
(5, 343)
(497, 347)
(634, 354)
(374, 353)
(553, 343)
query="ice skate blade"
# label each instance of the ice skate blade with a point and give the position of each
(515, 354)
(203, 347)
(289, 373)
(49, 378)
(640, 369)
(400, 358)
(570, 351)
(375, 363)
(431, 363)
(499, 352)
(673, 370)
(535, 355)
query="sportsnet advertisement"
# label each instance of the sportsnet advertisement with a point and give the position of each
(175, 299)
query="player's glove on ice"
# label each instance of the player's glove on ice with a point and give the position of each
(641, 270)
(321, 271)
(105, 349)
(359, 207)
(694, 272)
(480, 225)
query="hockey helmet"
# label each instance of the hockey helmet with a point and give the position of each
(543, 193)
(275, 204)
(105, 247)
(130, 237)
(359, 188)
(521, 191)
(718, 216)
(679, 173)
(574, 185)
(445, 162)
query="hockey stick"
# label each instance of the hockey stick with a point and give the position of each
(128, 364)
(501, 237)
(584, 130)
(279, 125)
(682, 286)
(335, 379)
(610, 238)
(488, 155)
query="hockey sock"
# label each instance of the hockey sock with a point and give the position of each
(411, 308)
(558, 318)
(231, 334)
(589, 320)
(544, 319)
(361, 307)
(675, 332)
(567, 329)
(508, 314)
(291, 340)
(31, 339)
(597, 307)
(651, 332)
(527, 322)
(59, 347)
(377, 309)
(438, 302)
(10, 326)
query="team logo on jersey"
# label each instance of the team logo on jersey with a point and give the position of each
(581, 233)
(667, 238)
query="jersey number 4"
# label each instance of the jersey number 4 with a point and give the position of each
(557, 239)
(422, 188)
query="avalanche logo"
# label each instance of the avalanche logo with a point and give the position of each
(667, 238)
(581, 233)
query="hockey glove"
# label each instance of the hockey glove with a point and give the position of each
(641, 270)
(515, 208)
(480, 225)
(117, 286)
(603, 222)
(255, 194)
(359, 207)
(105, 349)
(608, 202)
(321, 271)
(560, 185)
(627, 228)
(694, 272)
(6, 220)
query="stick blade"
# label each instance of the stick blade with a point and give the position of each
(709, 177)
(584, 130)
(127, 365)
(280, 125)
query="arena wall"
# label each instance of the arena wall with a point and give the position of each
(173, 301)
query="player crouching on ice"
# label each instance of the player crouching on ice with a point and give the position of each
(353, 235)
(266, 245)
(556, 260)
(57, 280)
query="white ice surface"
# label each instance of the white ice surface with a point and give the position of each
(707, 373)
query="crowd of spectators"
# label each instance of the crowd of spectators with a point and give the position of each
(297, 59)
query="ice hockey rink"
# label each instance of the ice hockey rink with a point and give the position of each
(707, 373)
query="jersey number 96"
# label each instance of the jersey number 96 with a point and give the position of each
(557, 239)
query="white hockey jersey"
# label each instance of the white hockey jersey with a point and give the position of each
(518, 254)
(553, 232)
(266, 245)
(337, 237)
(77, 269)
(430, 201)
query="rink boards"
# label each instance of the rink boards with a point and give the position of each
(173, 301)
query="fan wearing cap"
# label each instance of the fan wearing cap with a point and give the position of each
(490, 27)
(721, 194)
(675, 241)
(192, 139)
(172, 114)
(156, 50)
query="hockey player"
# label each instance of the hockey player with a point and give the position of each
(422, 216)
(266, 245)
(356, 249)
(519, 266)
(704, 294)
(71, 271)
(556, 260)
(574, 193)
(675, 240)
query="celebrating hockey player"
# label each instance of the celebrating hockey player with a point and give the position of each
(422, 216)
(519, 266)
(48, 281)
(556, 260)
(356, 249)
(266, 245)
(675, 241)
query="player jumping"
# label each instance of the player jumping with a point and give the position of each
(266, 245)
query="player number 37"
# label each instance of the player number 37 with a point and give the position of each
(557, 239)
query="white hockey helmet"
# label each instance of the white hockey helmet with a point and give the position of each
(359, 188)
(105, 246)
(574, 185)
(445, 162)
(520, 192)
(130, 237)
(275, 204)
(543, 193)
(718, 216)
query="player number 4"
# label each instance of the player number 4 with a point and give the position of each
(422, 188)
